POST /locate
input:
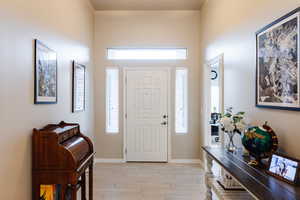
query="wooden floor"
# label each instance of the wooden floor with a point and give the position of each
(141, 181)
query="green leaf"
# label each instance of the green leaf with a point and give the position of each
(240, 113)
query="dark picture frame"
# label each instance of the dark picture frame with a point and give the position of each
(277, 63)
(78, 91)
(45, 74)
(268, 171)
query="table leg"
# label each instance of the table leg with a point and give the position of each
(91, 181)
(208, 175)
(83, 186)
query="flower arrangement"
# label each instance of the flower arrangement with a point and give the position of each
(231, 124)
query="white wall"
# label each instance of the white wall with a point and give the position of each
(157, 29)
(65, 26)
(229, 27)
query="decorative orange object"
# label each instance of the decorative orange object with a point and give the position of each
(47, 192)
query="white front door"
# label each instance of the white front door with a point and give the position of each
(147, 114)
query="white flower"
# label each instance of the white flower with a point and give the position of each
(240, 126)
(227, 124)
(233, 122)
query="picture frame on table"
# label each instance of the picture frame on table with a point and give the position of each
(78, 91)
(284, 168)
(277, 63)
(45, 74)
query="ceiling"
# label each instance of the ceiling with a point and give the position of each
(147, 4)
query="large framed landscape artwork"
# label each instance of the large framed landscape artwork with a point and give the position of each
(45, 84)
(277, 60)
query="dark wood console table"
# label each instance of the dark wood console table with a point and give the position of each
(259, 184)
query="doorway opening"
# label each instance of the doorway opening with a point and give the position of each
(215, 72)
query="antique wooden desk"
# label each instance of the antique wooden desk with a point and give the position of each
(61, 154)
(259, 184)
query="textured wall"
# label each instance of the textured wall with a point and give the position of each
(158, 29)
(65, 26)
(229, 26)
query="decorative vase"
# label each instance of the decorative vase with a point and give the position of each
(230, 146)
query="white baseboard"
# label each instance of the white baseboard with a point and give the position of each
(186, 161)
(109, 160)
(178, 161)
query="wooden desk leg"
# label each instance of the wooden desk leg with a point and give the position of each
(74, 192)
(208, 175)
(91, 181)
(63, 191)
(83, 186)
(35, 189)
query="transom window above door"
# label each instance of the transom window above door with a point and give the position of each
(147, 54)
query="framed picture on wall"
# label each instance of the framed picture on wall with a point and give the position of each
(45, 84)
(277, 63)
(78, 87)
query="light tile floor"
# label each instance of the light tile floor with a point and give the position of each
(148, 181)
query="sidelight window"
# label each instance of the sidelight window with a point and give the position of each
(181, 101)
(112, 100)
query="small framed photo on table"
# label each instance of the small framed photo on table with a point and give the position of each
(284, 168)
(78, 102)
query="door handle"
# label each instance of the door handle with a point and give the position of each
(165, 116)
(164, 123)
